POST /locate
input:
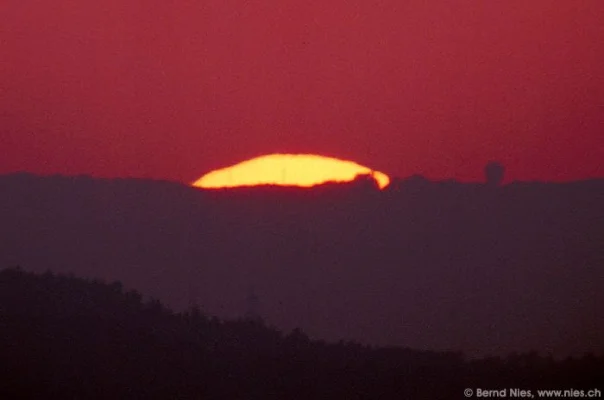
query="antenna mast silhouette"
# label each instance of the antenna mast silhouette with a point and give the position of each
(193, 300)
(252, 307)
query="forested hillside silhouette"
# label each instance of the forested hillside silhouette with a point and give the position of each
(66, 337)
(486, 269)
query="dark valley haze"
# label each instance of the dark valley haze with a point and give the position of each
(482, 269)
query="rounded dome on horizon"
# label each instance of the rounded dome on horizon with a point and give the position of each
(303, 170)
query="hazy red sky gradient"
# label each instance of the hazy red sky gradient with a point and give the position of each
(172, 89)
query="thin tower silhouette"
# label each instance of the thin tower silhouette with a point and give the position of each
(252, 312)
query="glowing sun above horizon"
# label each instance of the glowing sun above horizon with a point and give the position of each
(303, 170)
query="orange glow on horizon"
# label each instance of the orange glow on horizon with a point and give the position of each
(304, 170)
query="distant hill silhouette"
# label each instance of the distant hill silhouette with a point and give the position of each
(69, 338)
(482, 269)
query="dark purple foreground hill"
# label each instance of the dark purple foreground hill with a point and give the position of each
(427, 265)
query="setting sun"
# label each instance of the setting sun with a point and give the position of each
(304, 170)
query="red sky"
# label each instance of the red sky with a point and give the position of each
(171, 89)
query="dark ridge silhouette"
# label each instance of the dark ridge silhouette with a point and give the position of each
(66, 337)
(483, 269)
